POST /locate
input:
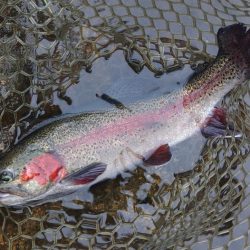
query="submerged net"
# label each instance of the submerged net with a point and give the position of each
(45, 44)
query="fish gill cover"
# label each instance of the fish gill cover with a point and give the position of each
(49, 66)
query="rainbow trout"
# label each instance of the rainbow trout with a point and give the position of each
(88, 148)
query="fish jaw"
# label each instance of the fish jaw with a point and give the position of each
(13, 193)
(54, 192)
(7, 199)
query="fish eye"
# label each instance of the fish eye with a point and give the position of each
(6, 176)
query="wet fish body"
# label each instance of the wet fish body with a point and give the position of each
(89, 148)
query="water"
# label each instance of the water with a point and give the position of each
(138, 205)
(130, 194)
(199, 200)
(115, 78)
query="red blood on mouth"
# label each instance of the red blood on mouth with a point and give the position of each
(43, 169)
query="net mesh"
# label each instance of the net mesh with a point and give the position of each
(44, 44)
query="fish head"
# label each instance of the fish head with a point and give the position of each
(28, 179)
(14, 191)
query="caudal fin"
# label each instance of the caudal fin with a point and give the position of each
(246, 52)
(235, 40)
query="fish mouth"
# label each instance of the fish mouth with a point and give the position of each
(4, 195)
(15, 190)
(10, 199)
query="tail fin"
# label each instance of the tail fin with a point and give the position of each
(246, 52)
(230, 38)
(235, 39)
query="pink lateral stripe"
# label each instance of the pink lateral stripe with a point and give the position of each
(128, 124)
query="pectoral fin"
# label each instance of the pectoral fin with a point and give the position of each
(160, 156)
(85, 175)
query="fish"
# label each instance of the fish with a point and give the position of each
(85, 149)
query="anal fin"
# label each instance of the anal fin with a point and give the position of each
(160, 156)
(85, 175)
(217, 125)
